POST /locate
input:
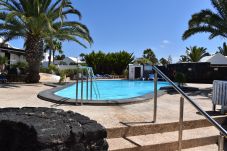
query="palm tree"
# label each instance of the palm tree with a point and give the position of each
(150, 55)
(183, 58)
(223, 49)
(38, 21)
(209, 21)
(163, 61)
(194, 54)
(82, 56)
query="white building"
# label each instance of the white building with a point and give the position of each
(69, 61)
(216, 59)
(13, 55)
(135, 71)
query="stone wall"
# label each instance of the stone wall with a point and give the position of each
(44, 129)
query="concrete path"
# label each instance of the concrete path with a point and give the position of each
(25, 95)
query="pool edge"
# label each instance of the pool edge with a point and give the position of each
(49, 95)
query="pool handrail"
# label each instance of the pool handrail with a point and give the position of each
(222, 131)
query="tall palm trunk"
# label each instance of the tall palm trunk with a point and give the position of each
(50, 53)
(53, 55)
(34, 55)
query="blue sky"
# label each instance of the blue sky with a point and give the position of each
(134, 25)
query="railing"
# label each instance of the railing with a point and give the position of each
(96, 89)
(223, 132)
(93, 85)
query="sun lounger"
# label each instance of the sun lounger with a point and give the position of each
(151, 77)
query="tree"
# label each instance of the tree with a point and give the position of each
(223, 49)
(194, 54)
(169, 59)
(183, 58)
(60, 57)
(38, 21)
(208, 21)
(163, 61)
(150, 55)
(110, 63)
(53, 46)
(142, 61)
(82, 56)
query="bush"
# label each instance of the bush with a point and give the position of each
(44, 70)
(73, 63)
(53, 68)
(62, 76)
(180, 78)
(22, 66)
(72, 72)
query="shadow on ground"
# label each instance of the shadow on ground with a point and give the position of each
(9, 86)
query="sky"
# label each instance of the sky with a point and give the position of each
(135, 25)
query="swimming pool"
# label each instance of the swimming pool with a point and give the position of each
(111, 90)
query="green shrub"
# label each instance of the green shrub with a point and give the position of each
(180, 78)
(44, 70)
(62, 76)
(21, 65)
(71, 72)
(53, 69)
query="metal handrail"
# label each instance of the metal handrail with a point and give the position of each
(208, 117)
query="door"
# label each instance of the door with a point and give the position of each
(137, 72)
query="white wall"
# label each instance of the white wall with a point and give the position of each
(16, 58)
(132, 71)
(62, 67)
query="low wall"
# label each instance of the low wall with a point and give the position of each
(196, 72)
(44, 129)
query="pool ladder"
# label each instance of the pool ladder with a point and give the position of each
(90, 78)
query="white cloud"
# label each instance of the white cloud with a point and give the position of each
(162, 46)
(165, 41)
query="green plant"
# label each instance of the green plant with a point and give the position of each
(180, 78)
(73, 63)
(44, 70)
(40, 21)
(150, 55)
(126, 73)
(53, 68)
(103, 63)
(163, 61)
(62, 76)
(194, 54)
(20, 65)
(3, 60)
(209, 21)
(223, 49)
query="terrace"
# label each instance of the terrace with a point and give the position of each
(131, 127)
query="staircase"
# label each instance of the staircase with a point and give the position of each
(198, 135)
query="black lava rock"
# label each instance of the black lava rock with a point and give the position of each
(47, 129)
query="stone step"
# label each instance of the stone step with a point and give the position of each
(212, 147)
(131, 129)
(167, 141)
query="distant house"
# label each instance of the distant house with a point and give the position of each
(216, 59)
(69, 61)
(13, 55)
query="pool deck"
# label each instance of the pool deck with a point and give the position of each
(25, 95)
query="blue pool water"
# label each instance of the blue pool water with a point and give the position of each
(112, 89)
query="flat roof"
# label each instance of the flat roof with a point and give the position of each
(14, 50)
